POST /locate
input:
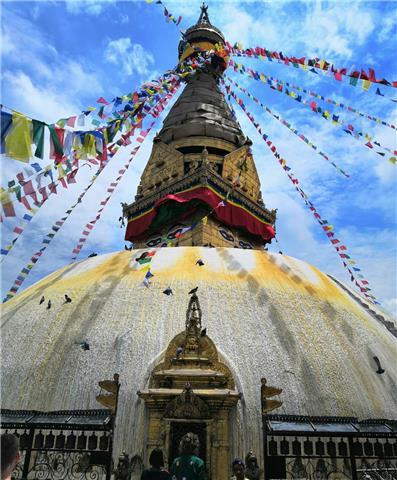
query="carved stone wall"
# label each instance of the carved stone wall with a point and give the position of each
(240, 164)
(165, 165)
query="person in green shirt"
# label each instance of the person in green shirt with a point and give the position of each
(188, 466)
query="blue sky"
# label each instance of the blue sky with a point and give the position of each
(59, 57)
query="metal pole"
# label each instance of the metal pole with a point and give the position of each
(352, 460)
(28, 454)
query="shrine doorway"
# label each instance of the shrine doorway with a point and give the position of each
(192, 390)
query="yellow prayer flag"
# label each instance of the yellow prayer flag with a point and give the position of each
(89, 145)
(366, 84)
(61, 172)
(19, 139)
(204, 220)
(393, 160)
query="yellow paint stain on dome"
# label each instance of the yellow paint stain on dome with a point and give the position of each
(270, 271)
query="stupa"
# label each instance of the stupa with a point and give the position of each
(194, 361)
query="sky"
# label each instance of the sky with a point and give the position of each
(59, 57)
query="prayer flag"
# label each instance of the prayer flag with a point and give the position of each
(18, 141)
(38, 138)
(6, 122)
(149, 274)
(102, 100)
(56, 142)
(366, 84)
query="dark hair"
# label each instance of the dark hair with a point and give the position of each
(238, 461)
(189, 444)
(9, 451)
(156, 458)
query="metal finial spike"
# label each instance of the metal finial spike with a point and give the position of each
(204, 14)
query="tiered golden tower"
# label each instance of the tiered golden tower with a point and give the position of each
(199, 159)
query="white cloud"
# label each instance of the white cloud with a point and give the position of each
(47, 104)
(89, 7)
(39, 80)
(124, 19)
(132, 56)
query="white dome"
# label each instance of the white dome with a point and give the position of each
(269, 315)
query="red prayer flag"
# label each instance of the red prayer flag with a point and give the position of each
(25, 203)
(71, 121)
(102, 100)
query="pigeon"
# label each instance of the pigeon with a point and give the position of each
(42, 300)
(168, 291)
(194, 290)
(85, 345)
(179, 350)
(93, 254)
(199, 262)
(67, 299)
(49, 304)
(203, 332)
(280, 252)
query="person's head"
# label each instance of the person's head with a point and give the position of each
(238, 469)
(189, 445)
(156, 458)
(251, 460)
(10, 454)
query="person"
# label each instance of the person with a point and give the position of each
(156, 470)
(10, 455)
(188, 466)
(238, 469)
(252, 470)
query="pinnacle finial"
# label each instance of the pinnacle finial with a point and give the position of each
(204, 14)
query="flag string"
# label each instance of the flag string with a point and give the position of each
(27, 218)
(49, 237)
(258, 75)
(340, 248)
(312, 65)
(113, 185)
(288, 125)
(334, 119)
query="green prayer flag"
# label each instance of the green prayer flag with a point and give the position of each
(54, 137)
(38, 138)
(17, 191)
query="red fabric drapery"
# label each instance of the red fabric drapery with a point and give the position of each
(231, 214)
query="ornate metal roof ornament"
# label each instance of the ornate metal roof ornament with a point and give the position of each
(266, 393)
(193, 327)
(187, 405)
(204, 14)
(193, 316)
